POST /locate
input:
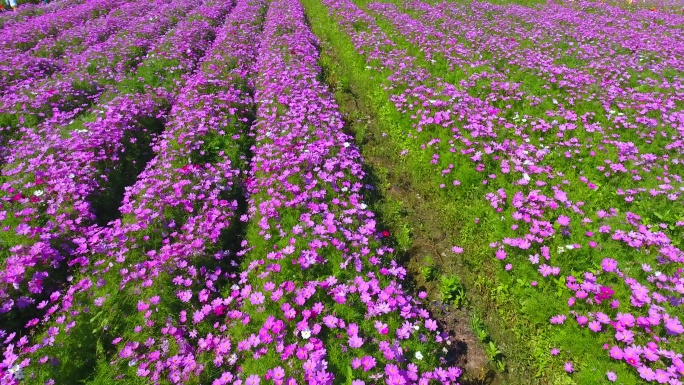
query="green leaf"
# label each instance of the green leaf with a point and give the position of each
(350, 375)
(95, 317)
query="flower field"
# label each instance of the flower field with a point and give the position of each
(342, 192)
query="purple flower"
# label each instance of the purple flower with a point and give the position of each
(568, 367)
(253, 380)
(563, 220)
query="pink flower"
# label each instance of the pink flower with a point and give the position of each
(355, 342)
(616, 353)
(431, 325)
(632, 357)
(278, 373)
(673, 326)
(368, 363)
(568, 367)
(381, 327)
(563, 220)
(184, 296)
(662, 376)
(609, 265)
(595, 326)
(257, 298)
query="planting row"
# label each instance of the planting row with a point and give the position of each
(28, 11)
(175, 214)
(60, 181)
(22, 36)
(21, 70)
(320, 299)
(61, 97)
(624, 259)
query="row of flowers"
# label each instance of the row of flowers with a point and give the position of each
(58, 99)
(50, 55)
(176, 219)
(23, 36)
(319, 298)
(62, 186)
(542, 207)
(27, 12)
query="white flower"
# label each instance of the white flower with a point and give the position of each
(346, 144)
(416, 327)
(363, 206)
(38, 193)
(17, 372)
(235, 287)
(306, 333)
(569, 247)
(560, 250)
(419, 355)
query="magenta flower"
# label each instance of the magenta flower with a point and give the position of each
(368, 363)
(568, 367)
(609, 265)
(355, 342)
(563, 220)
(257, 298)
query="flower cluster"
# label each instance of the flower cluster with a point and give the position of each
(572, 150)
